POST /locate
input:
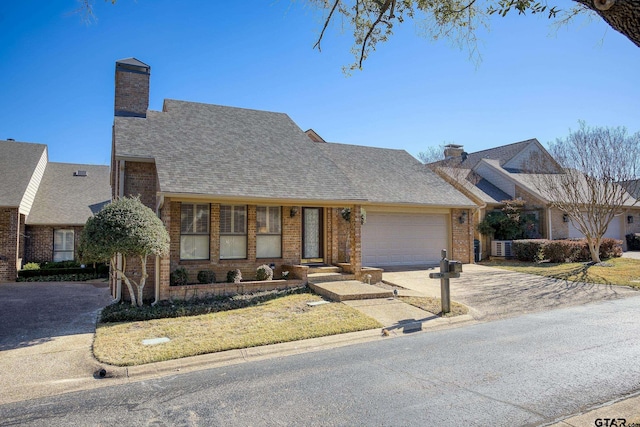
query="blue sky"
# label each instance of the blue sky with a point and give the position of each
(57, 75)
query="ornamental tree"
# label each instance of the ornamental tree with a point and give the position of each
(129, 228)
(595, 162)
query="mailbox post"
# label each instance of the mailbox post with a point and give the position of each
(448, 270)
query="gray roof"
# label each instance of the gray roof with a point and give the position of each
(232, 152)
(18, 161)
(392, 176)
(65, 199)
(502, 154)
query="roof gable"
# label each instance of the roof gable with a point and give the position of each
(66, 199)
(18, 164)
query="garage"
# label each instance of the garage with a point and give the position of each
(390, 239)
(614, 230)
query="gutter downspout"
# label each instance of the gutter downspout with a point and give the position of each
(550, 233)
(478, 210)
(157, 278)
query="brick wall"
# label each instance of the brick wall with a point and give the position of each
(132, 93)
(342, 235)
(140, 179)
(462, 235)
(9, 227)
(291, 245)
(39, 242)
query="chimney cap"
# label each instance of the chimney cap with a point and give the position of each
(133, 64)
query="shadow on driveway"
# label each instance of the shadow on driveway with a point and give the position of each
(492, 293)
(34, 312)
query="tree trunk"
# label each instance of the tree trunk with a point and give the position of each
(143, 279)
(621, 15)
(127, 281)
(594, 249)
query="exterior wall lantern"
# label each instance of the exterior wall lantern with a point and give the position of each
(293, 212)
(630, 219)
(463, 217)
(565, 218)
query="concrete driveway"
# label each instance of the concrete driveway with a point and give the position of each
(46, 334)
(492, 293)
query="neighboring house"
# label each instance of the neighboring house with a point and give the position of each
(43, 205)
(503, 173)
(237, 188)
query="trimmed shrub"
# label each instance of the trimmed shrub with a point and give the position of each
(610, 248)
(31, 266)
(99, 271)
(528, 249)
(559, 251)
(206, 276)
(234, 276)
(60, 264)
(179, 277)
(264, 272)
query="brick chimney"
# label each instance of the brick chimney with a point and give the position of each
(452, 151)
(132, 88)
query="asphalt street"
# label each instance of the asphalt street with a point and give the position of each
(528, 370)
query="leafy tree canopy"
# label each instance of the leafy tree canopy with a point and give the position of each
(128, 228)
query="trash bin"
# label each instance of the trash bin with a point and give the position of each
(476, 250)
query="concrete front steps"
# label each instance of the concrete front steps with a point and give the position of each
(332, 284)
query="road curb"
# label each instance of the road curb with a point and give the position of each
(237, 356)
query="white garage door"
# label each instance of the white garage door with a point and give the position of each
(403, 239)
(614, 230)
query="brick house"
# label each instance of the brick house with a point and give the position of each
(44, 205)
(489, 177)
(237, 188)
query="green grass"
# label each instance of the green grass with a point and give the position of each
(615, 271)
(283, 319)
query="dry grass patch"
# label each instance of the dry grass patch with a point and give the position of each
(281, 320)
(615, 271)
(433, 305)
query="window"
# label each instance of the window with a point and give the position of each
(269, 234)
(233, 232)
(62, 245)
(194, 231)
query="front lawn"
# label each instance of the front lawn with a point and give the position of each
(283, 319)
(614, 271)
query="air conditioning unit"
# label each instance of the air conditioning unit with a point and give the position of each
(501, 248)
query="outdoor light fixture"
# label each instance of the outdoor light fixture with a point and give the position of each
(463, 217)
(630, 219)
(565, 218)
(293, 212)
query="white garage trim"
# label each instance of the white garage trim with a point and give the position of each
(404, 238)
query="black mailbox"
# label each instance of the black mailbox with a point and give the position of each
(455, 267)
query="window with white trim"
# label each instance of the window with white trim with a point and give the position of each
(233, 232)
(268, 232)
(194, 231)
(63, 245)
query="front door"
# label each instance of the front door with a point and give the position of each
(312, 235)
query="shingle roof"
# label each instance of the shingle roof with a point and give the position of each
(63, 198)
(233, 152)
(18, 161)
(502, 154)
(392, 176)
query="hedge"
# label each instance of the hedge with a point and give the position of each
(559, 251)
(100, 270)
